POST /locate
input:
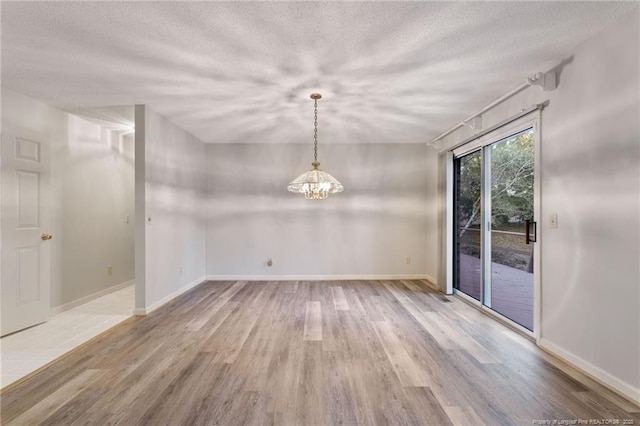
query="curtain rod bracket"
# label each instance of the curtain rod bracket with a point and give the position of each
(547, 81)
(475, 123)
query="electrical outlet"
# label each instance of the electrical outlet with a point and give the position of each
(126, 219)
(408, 261)
(109, 270)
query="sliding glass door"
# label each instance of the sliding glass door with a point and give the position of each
(494, 224)
(467, 239)
(510, 171)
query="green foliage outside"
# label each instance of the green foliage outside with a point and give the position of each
(511, 184)
(512, 163)
(512, 180)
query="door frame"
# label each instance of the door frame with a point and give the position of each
(531, 120)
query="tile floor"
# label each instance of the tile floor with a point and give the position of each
(26, 351)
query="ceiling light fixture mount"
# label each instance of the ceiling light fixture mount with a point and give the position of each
(315, 184)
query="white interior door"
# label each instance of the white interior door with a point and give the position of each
(26, 224)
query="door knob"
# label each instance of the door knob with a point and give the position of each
(46, 237)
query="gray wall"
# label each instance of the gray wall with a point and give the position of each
(590, 158)
(95, 194)
(380, 219)
(174, 194)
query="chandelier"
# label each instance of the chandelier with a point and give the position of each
(315, 184)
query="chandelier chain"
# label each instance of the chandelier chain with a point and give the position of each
(315, 130)
(315, 184)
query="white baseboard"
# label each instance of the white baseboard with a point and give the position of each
(168, 298)
(314, 277)
(591, 370)
(70, 305)
(433, 283)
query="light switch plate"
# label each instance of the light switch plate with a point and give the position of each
(553, 220)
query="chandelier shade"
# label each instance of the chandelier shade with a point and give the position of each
(315, 184)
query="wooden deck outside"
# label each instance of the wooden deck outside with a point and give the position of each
(511, 289)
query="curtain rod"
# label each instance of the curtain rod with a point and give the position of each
(546, 80)
(483, 110)
(500, 124)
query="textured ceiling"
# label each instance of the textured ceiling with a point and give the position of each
(243, 72)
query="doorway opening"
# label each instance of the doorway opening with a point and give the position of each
(67, 229)
(494, 228)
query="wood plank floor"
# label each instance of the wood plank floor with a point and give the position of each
(305, 353)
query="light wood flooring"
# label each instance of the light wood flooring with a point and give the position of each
(304, 353)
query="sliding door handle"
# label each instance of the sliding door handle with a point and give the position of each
(527, 232)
